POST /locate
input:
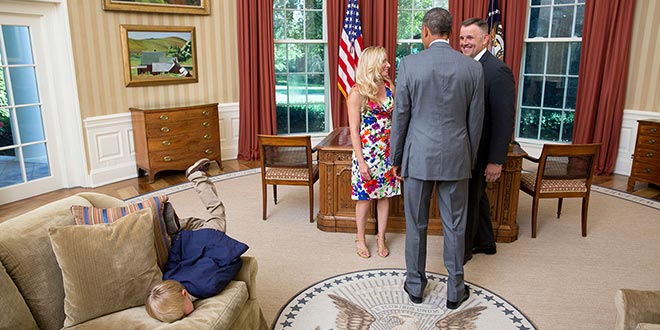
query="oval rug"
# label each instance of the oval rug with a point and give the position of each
(374, 299)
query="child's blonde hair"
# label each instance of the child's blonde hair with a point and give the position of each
(166, 301)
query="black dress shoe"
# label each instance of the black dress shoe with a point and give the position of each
(456, 304)
(487, 249)
(414, 299)
(466, 259)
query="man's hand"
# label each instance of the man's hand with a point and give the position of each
(397, 174)
(492, 172)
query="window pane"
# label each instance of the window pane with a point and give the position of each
(423, 4)
(554, 92)
(579, 21)
(417, 24)
(574, 65)
(557, 57)
(281, 89)
(36, 161)
(541, 2)
(563, 2)
(314, 25)
(535, 58)
(571, 93)
(567, 130)
(529, 123)
(294, 4)
(6, 130)
(404, 27)
(314, 4)
(562, 21)
(294, 20)
(296, 57)
(282, 119)
(10, 168)
(316, 113)
(280, 58)
(539, 22)
(4, 101)
(279, 3)
(30, 124)
(315, 58)
(298, 118)
(532, 91)
(551, 125)
(297, 89)
(315, 88)
(17, 44)
(24, 85)
(278, 24)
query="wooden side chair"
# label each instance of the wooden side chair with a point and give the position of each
(287, 160)
(564, 170)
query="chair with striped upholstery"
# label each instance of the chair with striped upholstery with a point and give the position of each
(564, 170)
(287, 160)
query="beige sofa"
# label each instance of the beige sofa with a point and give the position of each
(637, 310)
(32, 290)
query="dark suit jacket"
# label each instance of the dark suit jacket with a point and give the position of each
(499, 112)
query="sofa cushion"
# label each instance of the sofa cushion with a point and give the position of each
(106, 268)
(27, 255)
(217, 312)
(15, 313)
(88, 215)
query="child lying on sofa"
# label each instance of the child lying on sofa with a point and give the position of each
(201, 262)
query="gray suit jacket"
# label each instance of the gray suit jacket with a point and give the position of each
(438, 114)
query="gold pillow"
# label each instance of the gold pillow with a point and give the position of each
(105, 268)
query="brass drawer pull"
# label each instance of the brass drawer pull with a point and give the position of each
(208, 151)
(651, 141)
(166, 143)
(647, 170)
(207, 136)
(164, 117)
(653, 130)
(167, 158)
(649, 154)
(206, 124)
(205, 113)
(164, 129)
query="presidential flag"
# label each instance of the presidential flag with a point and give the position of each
(496, 31)
(350, 47)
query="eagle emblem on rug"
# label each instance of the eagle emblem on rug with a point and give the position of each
(353, 317)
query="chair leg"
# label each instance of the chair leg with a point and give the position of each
(275, 194)
(311, 202)
(264, 192)
(535, 208)
(585, 209)
(559, 207)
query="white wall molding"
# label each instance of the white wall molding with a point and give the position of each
(111, 150)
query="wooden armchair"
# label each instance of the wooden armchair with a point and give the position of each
(287, 160)
(564, 170)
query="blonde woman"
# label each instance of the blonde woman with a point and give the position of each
(370, 105)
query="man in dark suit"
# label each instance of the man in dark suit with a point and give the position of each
(436, 128)
(495, 136)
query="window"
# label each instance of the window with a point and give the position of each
(301, 79)
(409, 25)
(550, 66)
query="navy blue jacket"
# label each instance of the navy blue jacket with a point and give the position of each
(204, 261)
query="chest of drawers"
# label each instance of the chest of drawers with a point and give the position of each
(646, 159)
(174, 138)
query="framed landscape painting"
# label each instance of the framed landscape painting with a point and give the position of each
(158, 55)
(194, 7)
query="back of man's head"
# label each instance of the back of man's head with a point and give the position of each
(438, 21)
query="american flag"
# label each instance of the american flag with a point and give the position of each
(496, 30)
(350, 47)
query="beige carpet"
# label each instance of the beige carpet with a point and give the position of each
(560, 280)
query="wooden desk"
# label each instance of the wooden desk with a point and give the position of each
(337, 209)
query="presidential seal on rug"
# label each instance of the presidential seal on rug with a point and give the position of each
(374, 299)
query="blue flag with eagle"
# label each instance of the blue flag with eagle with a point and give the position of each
(496, 31)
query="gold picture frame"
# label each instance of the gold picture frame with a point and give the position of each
(192, 7)
(158, 55)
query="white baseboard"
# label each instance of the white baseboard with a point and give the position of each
(111, 151)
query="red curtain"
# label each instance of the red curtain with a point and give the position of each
(256, 67)
(379, 20)
(603, 77)
(514, 20)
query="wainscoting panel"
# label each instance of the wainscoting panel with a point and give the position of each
(112, 152)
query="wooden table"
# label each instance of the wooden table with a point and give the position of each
(337, 209)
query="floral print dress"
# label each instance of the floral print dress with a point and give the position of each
(375, 126)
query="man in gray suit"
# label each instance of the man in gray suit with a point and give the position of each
(436, 127)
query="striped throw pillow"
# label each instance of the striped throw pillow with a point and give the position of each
(89, 215)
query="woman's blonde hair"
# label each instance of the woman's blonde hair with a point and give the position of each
(368, 75)
(166, 301)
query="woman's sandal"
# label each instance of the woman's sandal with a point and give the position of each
(382, 248)
(362, 252)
